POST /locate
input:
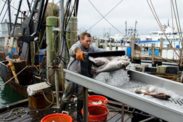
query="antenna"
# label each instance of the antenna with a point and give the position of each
(125, 28)
(135, 28)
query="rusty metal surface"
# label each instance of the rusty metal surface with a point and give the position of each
(2, 56)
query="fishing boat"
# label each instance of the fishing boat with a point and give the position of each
(171, 32)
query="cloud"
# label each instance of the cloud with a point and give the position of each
(128, 10)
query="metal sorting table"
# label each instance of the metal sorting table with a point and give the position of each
(171, 110)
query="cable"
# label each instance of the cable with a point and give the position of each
(159, 23)
(105, 18)
(27, 16)
(105, 15)
(178, 18)
(46, 97)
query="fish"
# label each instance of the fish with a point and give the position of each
(102, 60)
(140, 91)
(99, 61)
(151, 89)
(120, 58)
(112, 65)
(162, 96)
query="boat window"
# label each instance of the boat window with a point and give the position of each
(154, 33)
(174, 33)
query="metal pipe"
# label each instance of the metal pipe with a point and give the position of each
(76, 8)
(28, 3)
(150, 118)
(20, 3)
(4, 15)
(122, 112)
(3, 8)
(43, 13)
(57, 88)
(85, 104)
(39, 16)
(61, 16)
(9, 12)
(62, 47)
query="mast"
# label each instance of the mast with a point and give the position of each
(125, 28)
(20, 3)
(135, 28)
(9, 12)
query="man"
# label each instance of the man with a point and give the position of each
(77, 50)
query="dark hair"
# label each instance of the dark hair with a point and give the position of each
(82, 35)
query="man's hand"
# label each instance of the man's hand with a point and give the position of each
(79, 55)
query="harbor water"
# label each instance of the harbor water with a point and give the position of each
(8, 95)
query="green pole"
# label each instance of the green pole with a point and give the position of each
(51, 21)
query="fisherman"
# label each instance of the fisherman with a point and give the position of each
(77, 51)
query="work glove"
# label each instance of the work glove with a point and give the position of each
(79, 55)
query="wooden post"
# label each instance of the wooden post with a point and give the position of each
(152, 52)
(110, 46)
(116, 45)
(96, 42)
(132, 48)
(181, 52)
(32, 46)
(105, 43)
(161, 46)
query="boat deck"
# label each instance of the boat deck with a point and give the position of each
(26, 114)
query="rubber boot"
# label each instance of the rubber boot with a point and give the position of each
(62, 106)
(79, 107)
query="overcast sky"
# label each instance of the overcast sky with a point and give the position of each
(127, 10)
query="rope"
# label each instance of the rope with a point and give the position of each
(13, 77)
(14, 113)
(159, 23)
(105, 15)
(20, 112)
(172, 20)
(178, 18)
(47, 99)
(105, 18)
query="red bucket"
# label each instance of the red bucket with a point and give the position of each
(97, 113)
(97, 98)
(57, 118)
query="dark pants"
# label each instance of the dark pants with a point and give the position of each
(70, 89)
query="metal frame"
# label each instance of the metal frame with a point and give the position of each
(9, 13)
(19, 6)
(122, 95)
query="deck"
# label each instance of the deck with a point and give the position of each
(26, 114)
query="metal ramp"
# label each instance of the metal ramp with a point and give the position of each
(171, 110)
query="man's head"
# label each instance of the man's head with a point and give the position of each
(85, 39)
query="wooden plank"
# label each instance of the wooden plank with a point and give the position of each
(115, 118)
(125, 118)
(111, 114)
(132, 49)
